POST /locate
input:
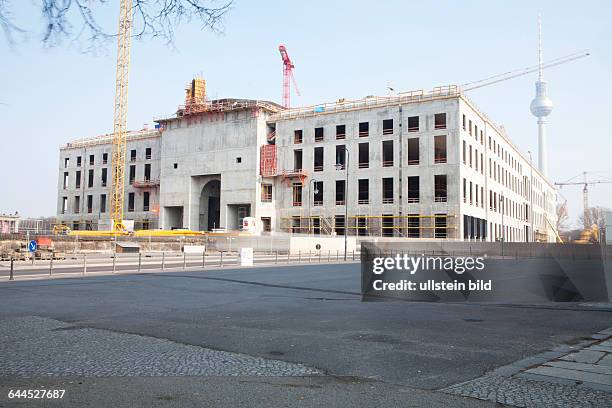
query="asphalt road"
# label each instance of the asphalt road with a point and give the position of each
(310, 315)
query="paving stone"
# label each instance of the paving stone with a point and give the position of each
(527, 393)
(584, 356)
(572, 374)
(607, 360)
(571, 365)
(34, 346)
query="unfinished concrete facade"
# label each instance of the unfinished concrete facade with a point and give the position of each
(84, 183)
(420, 165)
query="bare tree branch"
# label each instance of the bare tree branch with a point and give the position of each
(152, 19)
(6, 23)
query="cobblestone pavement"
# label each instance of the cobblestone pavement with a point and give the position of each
(35, 346)
(580, 378)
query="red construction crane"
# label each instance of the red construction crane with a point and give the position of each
(287, 73)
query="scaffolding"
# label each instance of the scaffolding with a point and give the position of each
(410, 226)
(267, 161)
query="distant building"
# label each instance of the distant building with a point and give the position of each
(9, 223)
(420, 165)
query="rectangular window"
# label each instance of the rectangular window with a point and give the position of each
(92, 159)
(387, 153)
(66, 162)
(266, 193)
(440, 149)
(340, 157)
(413, 151)
(440, 188)
(463, 122)
(90, 178)
(64, 205)
(387, 225)
(147, 172)
(297, 160)
(413, 189)
(132, 174)
(414, 222)
(340, 131)
(102, 203)
(364, 191)
(339, 224)
(470, 156)
(464, 152)
(133, 155)
(362, 225)
(464, 190)
(104, 158)
(318, 159)
(266, 224)
(297, 194)
(387, 190)
(388, 127)
(317, 194)
(66, 180)
(78, 179)
(340, 192)
(104, 174)
(77, 204)
(470, 127)
(295, 224)
(471, 193)
(146, 196)
(364, 129)
(89, 203)
(297, 136)
(440, 224)
(131, 200)
(148, 153)
(319, 134)
(364, 155)
(413, 124)
(78, 161)
(440, 121)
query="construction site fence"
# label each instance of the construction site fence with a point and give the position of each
(88, 264)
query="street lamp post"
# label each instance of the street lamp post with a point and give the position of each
(310, 193)
(503, 234)
(339, 167)
(531, 196)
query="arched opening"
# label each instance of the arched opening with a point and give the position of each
(210, 206)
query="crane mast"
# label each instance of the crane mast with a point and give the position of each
(287, 76)
(124, 41)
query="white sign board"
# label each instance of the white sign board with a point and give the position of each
(194, 249)
(246, 256)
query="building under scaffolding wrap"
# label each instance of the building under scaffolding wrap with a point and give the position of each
(416, 165)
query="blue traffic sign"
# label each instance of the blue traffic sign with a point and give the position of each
(32, 246)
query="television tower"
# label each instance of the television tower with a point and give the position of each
(541, 106)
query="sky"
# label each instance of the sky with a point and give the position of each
(341, 49)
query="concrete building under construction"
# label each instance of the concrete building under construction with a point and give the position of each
(416, 165)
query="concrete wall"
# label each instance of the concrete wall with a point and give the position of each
(198, 150)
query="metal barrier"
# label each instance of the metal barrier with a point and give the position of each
(88, 264)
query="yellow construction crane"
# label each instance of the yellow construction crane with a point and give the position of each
(124, 41)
